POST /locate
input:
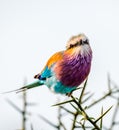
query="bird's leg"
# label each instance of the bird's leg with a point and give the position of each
(69, 94)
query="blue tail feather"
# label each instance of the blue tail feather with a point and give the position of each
(29, 86)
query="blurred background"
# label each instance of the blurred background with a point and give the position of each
(32, 30)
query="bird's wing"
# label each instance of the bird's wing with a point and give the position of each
(46, 72)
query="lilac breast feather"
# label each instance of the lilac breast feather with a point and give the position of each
(75, 69)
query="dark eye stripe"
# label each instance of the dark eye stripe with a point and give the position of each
(74, 45)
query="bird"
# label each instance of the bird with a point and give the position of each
(67, 69)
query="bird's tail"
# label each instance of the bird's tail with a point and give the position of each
(26, 87)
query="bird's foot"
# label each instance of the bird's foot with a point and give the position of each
(69, 94)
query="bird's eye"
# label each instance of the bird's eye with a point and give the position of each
(84, 41)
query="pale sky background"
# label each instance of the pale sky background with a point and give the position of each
(31, 31)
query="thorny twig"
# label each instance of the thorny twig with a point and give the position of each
(81, 111)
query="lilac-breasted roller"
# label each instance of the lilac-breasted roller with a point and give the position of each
(66, 69)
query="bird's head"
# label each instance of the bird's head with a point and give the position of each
(77, 41)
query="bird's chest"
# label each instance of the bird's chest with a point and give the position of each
(73, 70)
